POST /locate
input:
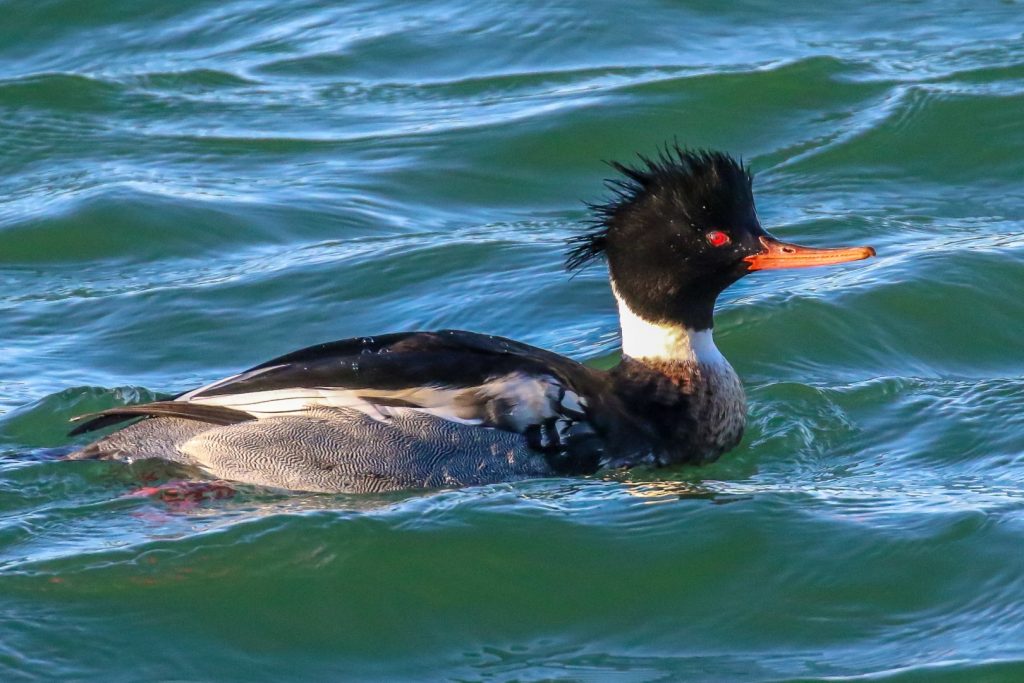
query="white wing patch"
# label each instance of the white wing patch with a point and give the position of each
(526, 399)
(278, 402)
(515, 401)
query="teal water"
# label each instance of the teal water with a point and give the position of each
(192, 187)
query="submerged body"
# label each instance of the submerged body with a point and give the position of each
(452, 408)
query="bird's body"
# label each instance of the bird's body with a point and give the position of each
(445, 408)
(452, 408)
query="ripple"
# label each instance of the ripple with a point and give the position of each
(192, 187)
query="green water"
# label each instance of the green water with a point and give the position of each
(188, 188)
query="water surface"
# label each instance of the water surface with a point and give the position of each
(189, 188)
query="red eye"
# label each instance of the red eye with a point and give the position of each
(717, 238)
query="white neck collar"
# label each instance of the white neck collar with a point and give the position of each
(642, 338)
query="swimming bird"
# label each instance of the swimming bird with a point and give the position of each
(453, 408)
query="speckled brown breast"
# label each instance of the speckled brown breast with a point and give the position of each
(719, 407)
(699, 409)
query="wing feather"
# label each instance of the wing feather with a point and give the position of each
(216, 415)
(459, 376)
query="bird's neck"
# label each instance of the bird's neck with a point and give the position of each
(663, 344)
(677, 372)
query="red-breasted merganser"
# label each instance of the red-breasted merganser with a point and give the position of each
(452, 408)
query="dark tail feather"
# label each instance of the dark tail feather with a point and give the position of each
(215, 415)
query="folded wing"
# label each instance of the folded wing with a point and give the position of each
(459, 376)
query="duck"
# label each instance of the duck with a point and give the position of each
(450, 408)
